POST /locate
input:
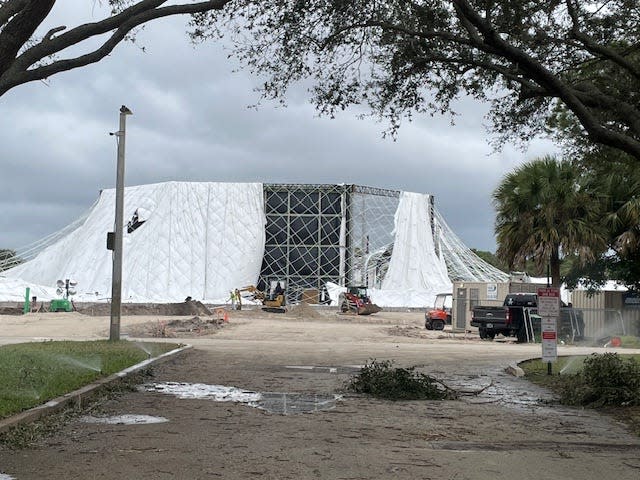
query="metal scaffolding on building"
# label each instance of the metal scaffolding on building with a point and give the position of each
(344, 234)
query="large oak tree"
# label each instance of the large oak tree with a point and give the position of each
(530, 58)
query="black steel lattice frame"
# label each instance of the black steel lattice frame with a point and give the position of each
(319, 233)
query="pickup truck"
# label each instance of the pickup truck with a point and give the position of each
(518, 317)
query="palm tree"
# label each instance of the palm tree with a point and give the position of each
(545, 211)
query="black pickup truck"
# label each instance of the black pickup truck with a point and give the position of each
(518, 317)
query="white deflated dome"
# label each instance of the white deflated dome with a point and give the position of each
(416, 273)
(197, 239)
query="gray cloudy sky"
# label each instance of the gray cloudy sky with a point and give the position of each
(191, 122)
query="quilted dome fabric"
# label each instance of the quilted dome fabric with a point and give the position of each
(416, 272)
(197, 239)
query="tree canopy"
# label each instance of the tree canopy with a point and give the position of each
(543, 64)
(531, 59)
(617, 191)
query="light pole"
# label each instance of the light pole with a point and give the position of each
(116, 280)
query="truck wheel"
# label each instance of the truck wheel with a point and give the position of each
(428, 325)
(438, 325)
(482, 332)
(344, 307)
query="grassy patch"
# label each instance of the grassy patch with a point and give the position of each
(33, 373)
(608, 382)
(381, 380)
(629, 341)
(25, 435)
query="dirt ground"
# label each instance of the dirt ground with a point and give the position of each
(507, 431)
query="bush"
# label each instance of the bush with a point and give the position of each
(605, 380)
(380, 380)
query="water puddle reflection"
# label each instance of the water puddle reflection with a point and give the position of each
(292, 403)
(273, 402)
(497, 387)
(348, 369)
(123, 420)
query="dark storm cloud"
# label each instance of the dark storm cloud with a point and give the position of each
(191, 121)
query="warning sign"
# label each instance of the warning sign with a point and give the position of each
(549, 310)
(549, 302)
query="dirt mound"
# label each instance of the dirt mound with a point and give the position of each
(191, 307)
(413, 331)
(5, 310)
(182, 328)
(304, 310)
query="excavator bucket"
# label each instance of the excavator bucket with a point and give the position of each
(368, 309)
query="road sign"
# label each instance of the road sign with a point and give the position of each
(549, 310)
(549, 302)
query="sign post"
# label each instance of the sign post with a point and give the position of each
(549, 311)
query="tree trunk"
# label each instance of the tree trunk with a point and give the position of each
(554, 266)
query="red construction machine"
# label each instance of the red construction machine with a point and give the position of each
(357, 302)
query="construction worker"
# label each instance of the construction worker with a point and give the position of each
(232, 297)
(239, 300)
(278, 290)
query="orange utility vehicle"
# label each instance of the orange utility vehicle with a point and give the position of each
(440, 315)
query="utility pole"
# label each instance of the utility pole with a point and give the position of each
(116, 280)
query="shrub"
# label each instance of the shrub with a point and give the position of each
(605, 380)
(380, 380)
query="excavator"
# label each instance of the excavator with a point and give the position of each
(272, 305)
(356, 301)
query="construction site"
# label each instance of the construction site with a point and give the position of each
(203, 240)
(279, 295)
(350, 248)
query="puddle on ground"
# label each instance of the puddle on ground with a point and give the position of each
(123, 420)
(495, 386)
(292, 403)
(350, 369)
(273, 402)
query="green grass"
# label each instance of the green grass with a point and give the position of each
(608, 382)
(536, 371)
(34, 373)
(629, 341)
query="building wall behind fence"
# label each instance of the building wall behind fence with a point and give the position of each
(605, 314)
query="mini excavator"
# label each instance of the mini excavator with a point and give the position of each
(274, 304)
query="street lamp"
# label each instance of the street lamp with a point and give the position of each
(116, 241)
